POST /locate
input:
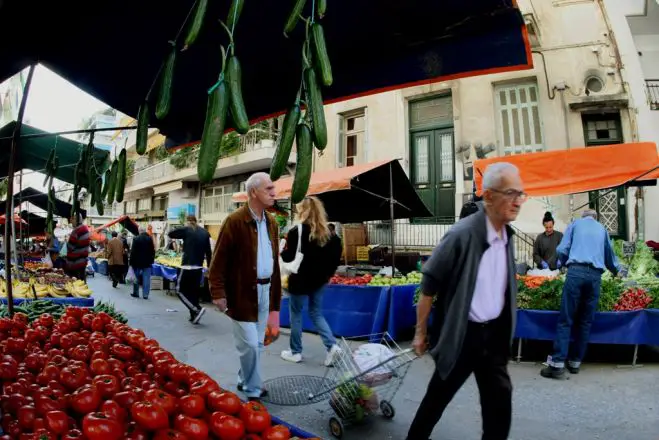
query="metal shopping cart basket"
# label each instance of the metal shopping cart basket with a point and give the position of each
(364, 379)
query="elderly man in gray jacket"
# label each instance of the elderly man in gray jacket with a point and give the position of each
(472, 274)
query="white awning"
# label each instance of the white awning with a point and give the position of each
(167, 187)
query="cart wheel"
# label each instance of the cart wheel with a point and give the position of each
(336, 427)
(388, 411)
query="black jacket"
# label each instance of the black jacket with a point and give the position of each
(196, 245)
(142, 254)
(318, 265)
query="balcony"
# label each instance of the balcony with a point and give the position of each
(215, 209)
(652, 86)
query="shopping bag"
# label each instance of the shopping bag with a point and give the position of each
(293, 266)
(130, 276)
(272, 329)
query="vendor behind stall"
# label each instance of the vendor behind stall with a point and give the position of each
(544, 248)
(53, 259)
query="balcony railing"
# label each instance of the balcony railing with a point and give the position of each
(652, 86)
(216, 204)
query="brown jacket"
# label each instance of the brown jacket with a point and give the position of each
(232, 274)
(115, 252)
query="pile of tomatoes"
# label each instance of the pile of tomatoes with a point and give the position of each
(87, 376)
(351, 281)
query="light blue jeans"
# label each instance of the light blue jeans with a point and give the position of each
(296, 303)
(143, 275)
(249, 337)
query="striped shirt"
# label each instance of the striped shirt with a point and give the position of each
(77, 248)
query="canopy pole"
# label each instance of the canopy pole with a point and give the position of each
(10, 186)
(393, 223)
(81, 131)
(20, 202)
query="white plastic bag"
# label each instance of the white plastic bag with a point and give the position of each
(293, 266)
(130, 276)
(368, 356)
(544, 273)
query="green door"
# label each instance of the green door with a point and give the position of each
(433, 173)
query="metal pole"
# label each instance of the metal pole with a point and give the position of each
(20, 202)
(10, 186)
(81, 131)
(393, 223)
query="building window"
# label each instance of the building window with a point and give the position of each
(160, 203)
(352, 128)
(518, 113)
(144, 204)
(131, 207)
(217, 199)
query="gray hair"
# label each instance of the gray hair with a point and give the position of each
(589, 213)
(495, 172)
(142, 230)
(255, 181)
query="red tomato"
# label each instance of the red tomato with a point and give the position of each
(99, 367)
(277, 432)
(255, 416)
(57, 421)
(168, 434)
(85, 399)
(72, 377)
(15, 345)
(203, 387)
(8, 371)
(225, 402)
(192, 405)
(149, 416)
(14, 429)
(193, 429)
(81, 353)
(73, 434)
(107, 385)
(126, 398)
(45, 403)
(113, 410)
(123, 352)
(162, 399)
(98, 426)
(25, 416)
(38, 424)
(134, 432)
(227, 427)
(13, 403)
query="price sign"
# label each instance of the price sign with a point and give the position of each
(628, 249)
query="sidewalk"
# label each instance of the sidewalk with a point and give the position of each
(601, 403)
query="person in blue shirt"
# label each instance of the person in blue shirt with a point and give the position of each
(587, 252)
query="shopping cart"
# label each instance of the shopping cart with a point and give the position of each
(364, 379)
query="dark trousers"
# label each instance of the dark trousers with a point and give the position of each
(581, 293)
(189, 289)
(485, 353)
(116, 272)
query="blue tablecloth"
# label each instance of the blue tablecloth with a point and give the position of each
(92, 260)
(168, 273)
(79, 302)
(103, 267)
(402, 313)
(350, 311)
(295, 431)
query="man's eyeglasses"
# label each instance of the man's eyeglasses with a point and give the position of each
(512, 194)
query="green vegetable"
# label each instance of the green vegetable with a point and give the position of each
(165, 98)
(121, 177)
(142, 135)
(237, 106)
(294, 17)
(234, 13)
(286, 138)
(304, 164)
(112, 185)
(211, 139)
(106, 186)
(322, 8)
(320, 51)
(197, 23)
(315, 105)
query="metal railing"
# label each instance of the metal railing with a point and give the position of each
(652, 86)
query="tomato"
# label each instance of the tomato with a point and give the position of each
(81, 353)
(168, 434)
(5, 324)
(161, 398)
(43, 434)
(8, 371)
(38, 424)
(107, 385)
(255, 416)
(98, 426)
(203, 387)
(72, 434)
(99, 367)
(25, 416)
(113, 410)
(72, 377)
(47, 403)
(31, 335)
(116, 364)
(227, 427)
(149, 416)
(33, 362)
(252, 437)
(86, 399)
(15, 345)
(57, 421)
(123, 352)
(277, 432)
(193, 429)
(46, 320)
(134, 432)
(14, 429)
(225, 402)
(13, 402)
(192, 405)
(126, 398)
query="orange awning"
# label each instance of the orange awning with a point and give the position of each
(321, 181)
(579, 170)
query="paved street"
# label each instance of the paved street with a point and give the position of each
(603, 402)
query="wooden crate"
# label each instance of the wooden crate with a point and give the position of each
(156, 283)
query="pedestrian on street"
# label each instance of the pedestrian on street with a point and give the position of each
(244, 277)
(77, 249)
(142, 256)
(544, 248)
(124, 240)
(472, 274)
(196, 247)
(586, 251)
(322, 255)
(115, 259)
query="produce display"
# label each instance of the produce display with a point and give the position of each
(35, 265)
(88, 376)
(169, 260)
(50, 285)
(35, 309)
(377, 280)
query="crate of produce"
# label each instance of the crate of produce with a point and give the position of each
(156, 283)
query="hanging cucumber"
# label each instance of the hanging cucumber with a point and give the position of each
(236, 103)
(49, 166)
(294, 17)
(92, 193)
(142, 135)
(106, 184)
(98, 189)
(165, 97)
(234, 13)
(304, 163)
(286, 139)
(322, 8)
(114, 171)
(211, 139)
(320, 52)
(315, 105)
(121, 177)
(197, 23)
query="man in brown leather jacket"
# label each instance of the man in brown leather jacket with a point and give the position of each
(244, 277)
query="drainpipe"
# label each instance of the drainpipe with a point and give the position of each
(561, 87)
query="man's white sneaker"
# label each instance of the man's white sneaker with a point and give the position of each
(331, 355)
(288, 355)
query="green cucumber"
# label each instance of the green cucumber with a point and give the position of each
(315, 105)
(165, 98)
(320, 52)
(49, 166)
(142, 135)
(112, 184)
(121, 177)
(236, 104)
(304, 164)
(286, 138)
(197, 23)
(211, 139)
(234, 13)
(106, 185)
(322, 8)
(294, 17)
(98, 198)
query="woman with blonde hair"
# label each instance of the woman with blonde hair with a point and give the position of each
(322, 254)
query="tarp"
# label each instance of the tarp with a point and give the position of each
(40, 200)
(32, 153)
(358, 193)
(36, 224)
(578, 170)
(124, 221)
(374, 46)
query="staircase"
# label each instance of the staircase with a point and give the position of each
(523, 246)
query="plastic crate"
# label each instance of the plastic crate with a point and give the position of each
(156, 283)
(362, 253)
